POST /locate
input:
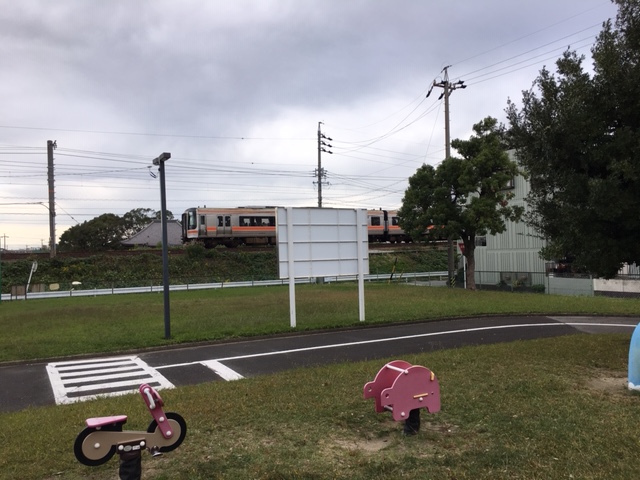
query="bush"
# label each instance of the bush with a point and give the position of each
(195, 250)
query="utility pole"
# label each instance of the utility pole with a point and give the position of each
(51, 145)
(321, 172)
(448, 87)
(159, 162)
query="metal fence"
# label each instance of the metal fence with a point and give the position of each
(532, 282)
(507, 281)
(88, 288)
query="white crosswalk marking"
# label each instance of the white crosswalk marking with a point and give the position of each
(222, 371)
(82, 380)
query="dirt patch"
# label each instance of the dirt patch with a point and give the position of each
(371, 445)
(440, 428)
(608, 384)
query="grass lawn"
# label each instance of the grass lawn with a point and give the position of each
(542, 409)
(52, 328)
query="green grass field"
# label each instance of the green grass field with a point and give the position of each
(542, 409)
(51, 328)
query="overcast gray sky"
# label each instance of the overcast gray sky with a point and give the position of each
(235, 90)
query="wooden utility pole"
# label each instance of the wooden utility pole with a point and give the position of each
(448, 87)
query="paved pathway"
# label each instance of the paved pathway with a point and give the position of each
(68, 381)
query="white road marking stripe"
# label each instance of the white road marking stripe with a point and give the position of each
(70, 375)
(406, 337)
(65, 366)
(225, 372)
(100, 386)
(107, 376)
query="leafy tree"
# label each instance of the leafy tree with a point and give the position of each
(138, 218)
(578, 137)
(101, 233)
(463, 197)
(108, 230)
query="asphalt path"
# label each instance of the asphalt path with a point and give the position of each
(73, 380)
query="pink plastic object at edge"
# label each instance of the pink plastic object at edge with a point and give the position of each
(404, 387)
(154, 404)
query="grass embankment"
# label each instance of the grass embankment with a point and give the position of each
(543, 409)
(51, 328)
(188, 265)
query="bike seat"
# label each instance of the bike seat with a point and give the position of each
(102, 421)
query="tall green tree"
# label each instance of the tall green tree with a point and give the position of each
(108, 230)
(138, 218)
(463, 197)
(578, 137)
(101, 233)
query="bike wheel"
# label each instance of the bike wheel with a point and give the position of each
(181, 430)
(79, 443)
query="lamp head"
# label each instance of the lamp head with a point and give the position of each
(163, 157)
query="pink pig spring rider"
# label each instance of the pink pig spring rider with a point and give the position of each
(403, 389)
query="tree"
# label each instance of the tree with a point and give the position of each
(108, 230)
(138, 218)
(101, 233)
(578, 137)
(463, 197)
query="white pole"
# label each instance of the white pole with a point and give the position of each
(290, 260)
(361, 220)
(464, 270)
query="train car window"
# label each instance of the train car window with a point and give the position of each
(191, 221)
(203, 220)
(394, 221)
(375, 221)
(219, 220)
(227, 221)
(257, 221)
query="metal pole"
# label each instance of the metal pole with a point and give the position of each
(52, 201)
(165, 248)
(319, 166)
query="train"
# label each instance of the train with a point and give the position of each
(232, 227)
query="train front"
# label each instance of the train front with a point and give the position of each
(189, 225)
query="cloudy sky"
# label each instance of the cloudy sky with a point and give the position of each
(235, 91)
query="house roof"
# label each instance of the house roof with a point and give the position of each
(151, 235)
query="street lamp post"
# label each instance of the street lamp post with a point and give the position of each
(159, 161)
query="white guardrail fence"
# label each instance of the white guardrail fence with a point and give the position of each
(424, 278)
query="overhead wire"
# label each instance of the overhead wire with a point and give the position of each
(369, 150)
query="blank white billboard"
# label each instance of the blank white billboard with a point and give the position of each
(322, 242)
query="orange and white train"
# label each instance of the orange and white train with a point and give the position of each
(257, 226)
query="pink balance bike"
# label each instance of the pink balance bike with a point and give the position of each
(104, 436)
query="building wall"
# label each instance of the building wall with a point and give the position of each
(514, 253)
(515, 250)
